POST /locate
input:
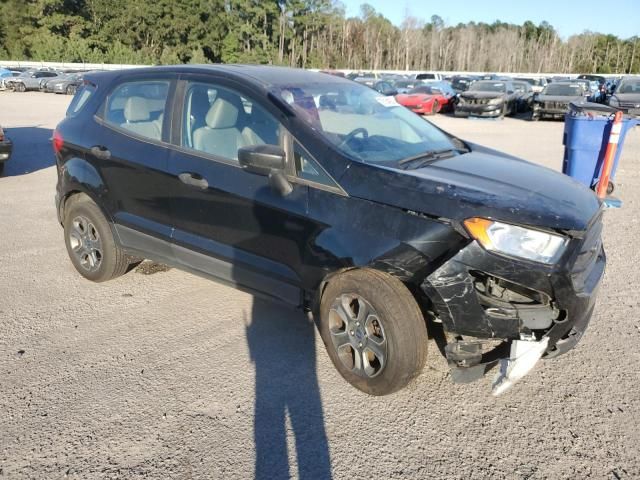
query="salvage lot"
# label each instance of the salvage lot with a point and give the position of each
(171, 376)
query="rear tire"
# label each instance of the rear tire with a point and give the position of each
(435, 107)
(90, 243)
(71, 90)
(373, 330)
(610, 186)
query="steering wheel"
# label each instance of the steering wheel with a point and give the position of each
(352, 134)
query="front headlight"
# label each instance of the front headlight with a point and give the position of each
(613, 102)
(514, 241)
(495, 101)
(461, 100)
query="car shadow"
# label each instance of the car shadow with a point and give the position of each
(282, 347)
(31, 150)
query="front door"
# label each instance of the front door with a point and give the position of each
(229, 223)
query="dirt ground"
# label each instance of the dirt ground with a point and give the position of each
(164, 375)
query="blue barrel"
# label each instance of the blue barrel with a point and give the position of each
(585, 143)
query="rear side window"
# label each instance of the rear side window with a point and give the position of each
(138, 107)
(81, 98)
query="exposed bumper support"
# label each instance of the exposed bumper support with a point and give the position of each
(524, 356)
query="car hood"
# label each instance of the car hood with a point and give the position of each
(468, 94)
(482, 183)
(628, 97)
(558, 98)
(412, 98)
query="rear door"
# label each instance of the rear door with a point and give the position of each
(229, 223)
(128, 146)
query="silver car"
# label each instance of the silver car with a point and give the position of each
(30, 80)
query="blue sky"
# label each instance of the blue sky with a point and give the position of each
(618, 17)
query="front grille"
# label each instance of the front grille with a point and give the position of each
(556, 105)
(478, 101)
(590, 250)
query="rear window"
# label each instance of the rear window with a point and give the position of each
(138, 107)
(80, 99)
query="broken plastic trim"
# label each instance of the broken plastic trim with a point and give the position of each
(524, 356)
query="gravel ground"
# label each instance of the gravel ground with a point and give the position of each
(161, 374)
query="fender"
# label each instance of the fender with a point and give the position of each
(78, 176)
(360, 233)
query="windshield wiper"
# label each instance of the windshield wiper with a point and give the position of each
(426, 157)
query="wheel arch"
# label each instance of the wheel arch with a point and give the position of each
(80, 177)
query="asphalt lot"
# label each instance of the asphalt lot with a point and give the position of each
(167, 375)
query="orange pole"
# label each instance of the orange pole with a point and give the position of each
(609, 155)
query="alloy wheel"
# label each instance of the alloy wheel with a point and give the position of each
(358, 335)
(85, 243)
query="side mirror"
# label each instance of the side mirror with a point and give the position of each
(261, 159)
(267, 160)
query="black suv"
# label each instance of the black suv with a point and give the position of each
(324, 194)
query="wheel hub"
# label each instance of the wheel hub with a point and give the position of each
(85, 243)
(358, 335)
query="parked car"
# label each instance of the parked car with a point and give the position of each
(461, 83)
(524, 95)
(627, 96)
(488, 98)
(30, 80)
(67, 84)
(555, 99)
(375, 221)
(598, 78)
(537, 84)
(423, 100)
(429, 76)
(6, 147)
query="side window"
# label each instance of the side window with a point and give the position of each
(308, 169)
(80, 99)
(219, 121)
(138, 107)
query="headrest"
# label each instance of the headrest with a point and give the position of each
(137, 110)
(222, 114)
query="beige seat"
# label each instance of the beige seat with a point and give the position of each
(221, 135)
(137, 115)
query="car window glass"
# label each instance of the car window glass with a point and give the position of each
(80, 99)
(138, 107)
(308, 169)
(219, 121)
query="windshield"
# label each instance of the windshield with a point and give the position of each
(563, 89)
(488, 87)
(422, 89)
(361, 123)
(404, 83)
(629, 85)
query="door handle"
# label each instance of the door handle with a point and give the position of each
(194, 180)
(100, 152)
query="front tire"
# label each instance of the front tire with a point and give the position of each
(373, 330)
(71, 90)
(20, 87)
(90, 244)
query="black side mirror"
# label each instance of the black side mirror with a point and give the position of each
(261, 159)
(267, 160)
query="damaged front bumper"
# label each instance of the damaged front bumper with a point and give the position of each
(512, 312)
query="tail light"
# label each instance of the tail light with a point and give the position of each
(57, 141)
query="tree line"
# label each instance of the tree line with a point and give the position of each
(302, 33)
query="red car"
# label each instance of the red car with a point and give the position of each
(423, 100)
